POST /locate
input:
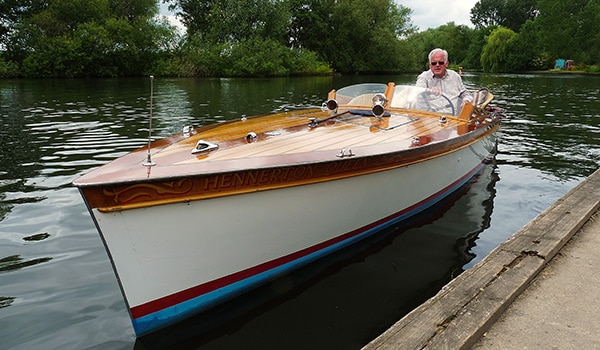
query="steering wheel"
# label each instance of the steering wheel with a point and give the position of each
(430, 101)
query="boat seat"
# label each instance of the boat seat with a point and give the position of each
(482, 98)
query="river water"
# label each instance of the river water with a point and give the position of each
(57, 288)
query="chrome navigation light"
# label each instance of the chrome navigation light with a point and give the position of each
(251, 137)
(379, 101)
(331, 105)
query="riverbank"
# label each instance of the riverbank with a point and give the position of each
(481, 299)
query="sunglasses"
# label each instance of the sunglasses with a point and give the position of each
(437, 63)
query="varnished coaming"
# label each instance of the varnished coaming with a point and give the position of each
(287, 153)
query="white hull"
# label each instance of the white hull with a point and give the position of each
(170, 258)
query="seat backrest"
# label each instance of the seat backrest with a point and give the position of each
(482, 97)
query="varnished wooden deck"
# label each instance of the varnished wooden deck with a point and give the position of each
(289, 134)
(283, 139)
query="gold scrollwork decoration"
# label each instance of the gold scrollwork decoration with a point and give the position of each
(149, 191)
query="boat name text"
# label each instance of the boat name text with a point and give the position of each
(278, 175)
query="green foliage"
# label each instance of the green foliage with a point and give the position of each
(524, 52)
(268, 57)
(8, 69)
(351, 35)
(64, 16)
(364, 36)
(454, 39)
(486, 13)
(570, 29)
(133, 10)
(515, 13)
(310, 25)
(257, 57)
(250, 57)
(80, 38)
(595, 69)
(13, 13)
(74, 38)
(511, 14)
(495, 55)
(234, 20)
(304, 62)
(543, 30)
(478, 40)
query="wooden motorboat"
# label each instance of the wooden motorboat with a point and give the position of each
(200, 217)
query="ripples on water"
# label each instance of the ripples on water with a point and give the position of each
(554, 122)
(57, 290)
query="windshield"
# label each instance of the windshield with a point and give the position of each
(349, 93)
(405, 96)
(412, 97)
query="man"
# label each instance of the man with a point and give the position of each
(441, 80)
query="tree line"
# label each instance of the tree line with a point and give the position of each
(114, 38)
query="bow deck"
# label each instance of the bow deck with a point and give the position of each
(281, 139)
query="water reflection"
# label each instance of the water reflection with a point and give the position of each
(6, 301)
(345, 300)
(37, 237)
(15, 262)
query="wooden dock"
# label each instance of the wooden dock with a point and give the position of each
(466, 308)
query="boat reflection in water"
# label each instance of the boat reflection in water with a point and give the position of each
(348, 298)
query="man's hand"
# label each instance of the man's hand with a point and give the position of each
(436, 91)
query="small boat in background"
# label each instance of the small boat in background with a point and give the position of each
(200, 217)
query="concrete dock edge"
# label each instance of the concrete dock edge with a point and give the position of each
(467, 306)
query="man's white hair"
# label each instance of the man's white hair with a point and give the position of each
(438, 50)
